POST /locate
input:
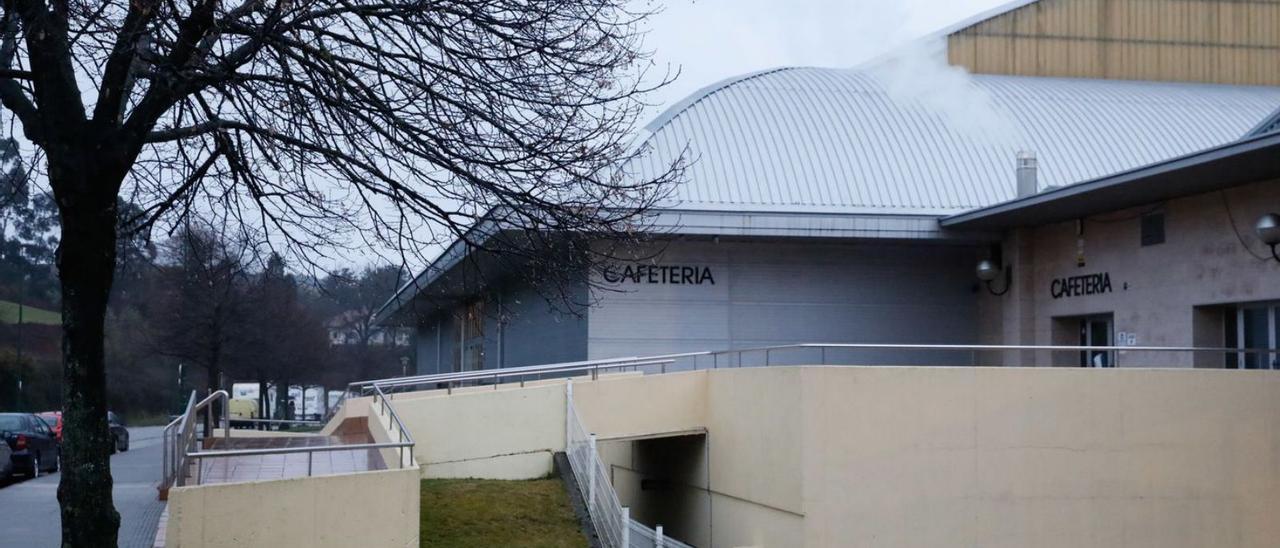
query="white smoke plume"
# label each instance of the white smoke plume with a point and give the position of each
(919, 73)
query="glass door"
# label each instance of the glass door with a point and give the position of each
(1097, 331)
(1257, 332)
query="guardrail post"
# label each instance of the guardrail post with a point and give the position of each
(164, 455)
(658, 538)
(568, 415)
(626, 527)
(591, 482)
(226, 419)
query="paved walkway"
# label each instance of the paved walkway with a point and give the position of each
(29, 508)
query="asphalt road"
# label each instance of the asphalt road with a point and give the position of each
(29, 508)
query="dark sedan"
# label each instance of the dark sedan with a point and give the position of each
(6, 462)
(35, 450)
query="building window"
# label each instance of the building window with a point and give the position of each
(471, 337)
(1255, 330)
(1153, 228)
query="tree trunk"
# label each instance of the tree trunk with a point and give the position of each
(264, 407)
(282, 402)
(86, 266)
(213, 384)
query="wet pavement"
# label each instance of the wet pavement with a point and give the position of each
(29, 513)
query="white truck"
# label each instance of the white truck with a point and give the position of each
(308, 401)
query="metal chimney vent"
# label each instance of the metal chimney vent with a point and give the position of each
(1027, 180)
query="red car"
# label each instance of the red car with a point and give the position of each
(54, 420)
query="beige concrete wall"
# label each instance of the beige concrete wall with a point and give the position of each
(755, 499)
(1211, 256)
(868, 456)
(351, 408)
(991, 457)
(366, 509)
(1040, 457)
(619, 407)
(509, 433)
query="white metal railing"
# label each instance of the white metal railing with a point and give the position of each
(179, 438)
(644, 537)
(181, 442)
(802, 354)
(612, 521)
(496, 376)
(406, 443)
(593, 480)
(333, 409)
(200, 456)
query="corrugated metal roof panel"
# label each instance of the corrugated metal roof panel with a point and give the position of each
(836, 140)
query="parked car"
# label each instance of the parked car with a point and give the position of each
(119, 434)
(54, 420)
(34, 447)
(6, 462)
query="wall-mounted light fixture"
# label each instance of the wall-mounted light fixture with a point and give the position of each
(1268, 228)
(989, 270)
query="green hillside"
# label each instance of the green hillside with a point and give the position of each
(30, 315)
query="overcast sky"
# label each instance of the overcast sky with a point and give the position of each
(710, 40)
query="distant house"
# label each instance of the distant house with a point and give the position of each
(354, 326)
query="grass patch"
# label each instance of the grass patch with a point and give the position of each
(488, 513)
(148, 420)
(30, 315)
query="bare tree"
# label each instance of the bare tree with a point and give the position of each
(315, 122)
(286, 337)
(203, 303)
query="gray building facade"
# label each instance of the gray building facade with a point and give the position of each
(825, 206)
(731, 294)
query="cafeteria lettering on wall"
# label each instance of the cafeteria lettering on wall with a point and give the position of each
(660, 274)
(1080, 286)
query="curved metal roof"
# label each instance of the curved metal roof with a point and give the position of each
(847, 141)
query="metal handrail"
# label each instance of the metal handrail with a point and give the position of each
(199, 456)
(333, 409)
(403, 432)
(595, 366)
(188, 452)
(1053, 348)
(364, 387)
(169, 444)
(293, 450)
(279, 421)
(178, 443)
